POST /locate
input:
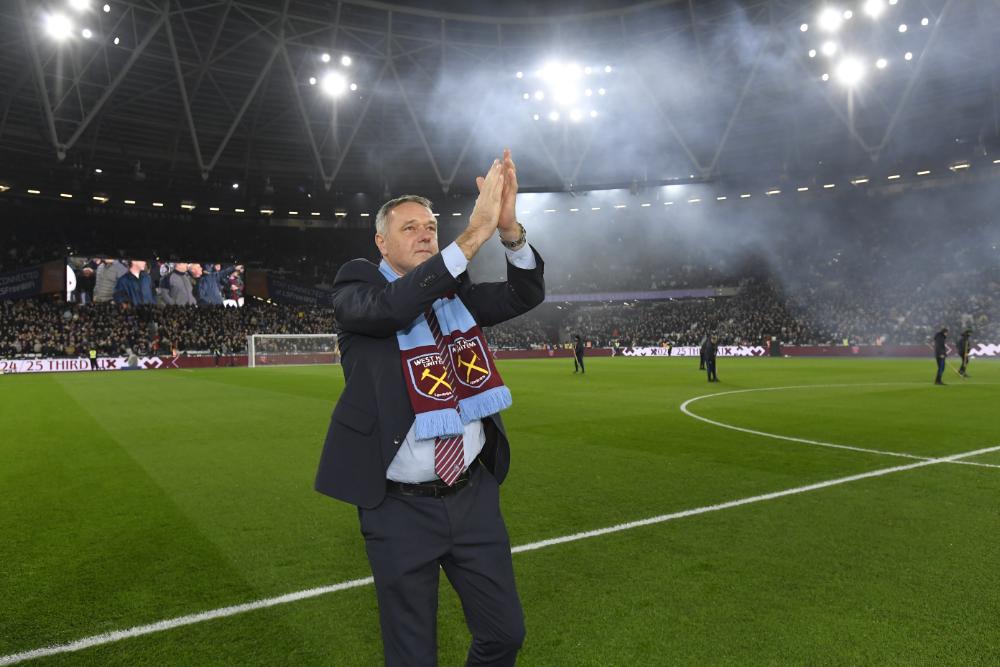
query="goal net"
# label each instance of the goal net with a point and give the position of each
(292, 349)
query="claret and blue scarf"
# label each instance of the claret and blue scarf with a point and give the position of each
(448, 368)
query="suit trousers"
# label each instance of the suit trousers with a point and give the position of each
(409, 539)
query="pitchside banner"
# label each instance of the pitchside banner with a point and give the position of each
(32, 281)
(70, 365)
(724, 351)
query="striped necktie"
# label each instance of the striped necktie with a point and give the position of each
(449, 453)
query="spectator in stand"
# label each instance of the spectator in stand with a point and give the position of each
(211, 283)
(177, 288)
(135, 287)
(107, 272)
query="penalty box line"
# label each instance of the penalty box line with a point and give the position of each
(223, 612)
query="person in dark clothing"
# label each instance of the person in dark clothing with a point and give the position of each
(709, 351)
(93, 359)
(701, 361)
(964, 345)
(940, 352)
(135, 287)
(578, 354)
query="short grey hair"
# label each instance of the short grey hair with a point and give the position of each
(381, 218)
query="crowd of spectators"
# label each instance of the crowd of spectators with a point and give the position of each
(34, 327)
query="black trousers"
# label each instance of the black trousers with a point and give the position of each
(940, 369)
(578, 360)
(710, 364)
(409, 539)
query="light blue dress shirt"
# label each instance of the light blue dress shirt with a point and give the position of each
(414, 462)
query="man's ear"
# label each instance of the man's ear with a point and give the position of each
(380, 243)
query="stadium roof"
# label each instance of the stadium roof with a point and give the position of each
(203, 93)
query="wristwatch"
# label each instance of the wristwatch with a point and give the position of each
(516, 245)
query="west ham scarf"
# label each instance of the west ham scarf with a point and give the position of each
(440, 408)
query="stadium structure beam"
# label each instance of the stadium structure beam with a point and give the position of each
(76, 80)
(185, 102)
(904, 102)
(110, 90)
(420, 130)
(751, 77)
(357, 126)
(42, 89)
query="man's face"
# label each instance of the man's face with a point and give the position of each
(181, 267)
(138, 265)
(410, 237)
(195, 270)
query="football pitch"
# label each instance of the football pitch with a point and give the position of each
(802, 511)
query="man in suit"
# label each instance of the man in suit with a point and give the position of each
(710, 352)
(420, 511)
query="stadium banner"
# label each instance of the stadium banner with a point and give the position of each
(70, 365)
(47, 278)
(981, 350)
(693, 351)
(271, 288)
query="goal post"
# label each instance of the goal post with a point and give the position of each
(292, 349)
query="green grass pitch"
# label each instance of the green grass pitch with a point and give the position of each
(129, 498)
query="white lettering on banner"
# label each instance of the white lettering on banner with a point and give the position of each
(80, 364)
(693, 351)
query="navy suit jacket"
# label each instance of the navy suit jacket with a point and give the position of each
(373, 415)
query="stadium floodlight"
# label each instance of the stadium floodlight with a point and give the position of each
(874, 8)
(621, 205)
(881, 63)
(58, 26)
(107, 9)
(65, 195)
(607, 69)
(334, 84)
(32, 191)
(803, 189)
(293, 213)
(848, 15)
(925, 21)
(902, 27)
(80, 5)
(694, 201)
(539, 95)
(924, 172)
(958, 166)
(668, 203)
(353, 87)
(535, 116)
(129, 202)
(601, 91)
(267, 211)
(325, 57)
(117, 41)
(550, 210)
(745, 195)
(829, 186)
(830, 19)
(312, 81)
(365, 215)
(860, 181)
(595, 208)
(593, 113)
(158, 204)
(893, 2)
(456, 214)
(236, 186)
(553, 116)
(850, 71)
(829, 48)
(825, 77)
(893, 177)
(315, 213)
(574, 210)
(346, 61)
(771, 193)
(239, 210)
(87, 33)
(908, 56)
(645, 205)
(98, 171)
(576, 115)
(102, 199)
(213, 209)
(4, 187)
(994, 162)
(722, 198)
(519, 75)
(804, 27)
(812, 53)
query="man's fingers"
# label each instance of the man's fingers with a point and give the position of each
(479, 182)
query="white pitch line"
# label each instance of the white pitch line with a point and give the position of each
(806, 441)
(223, 612)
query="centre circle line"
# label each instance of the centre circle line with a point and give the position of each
(806, 441)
